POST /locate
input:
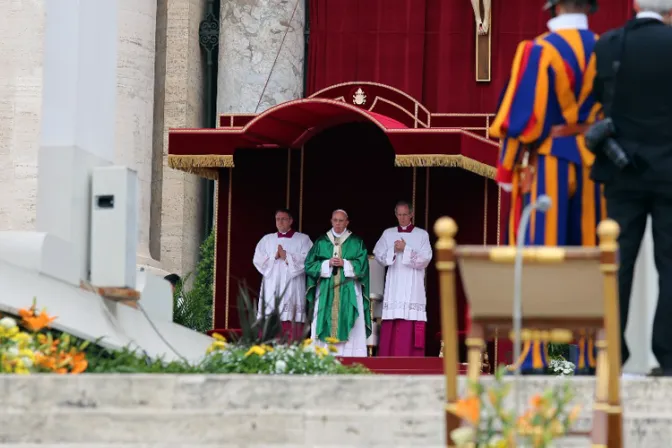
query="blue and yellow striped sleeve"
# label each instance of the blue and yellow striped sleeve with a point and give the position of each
(520, 118)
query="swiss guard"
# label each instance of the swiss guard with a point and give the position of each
(546, 108)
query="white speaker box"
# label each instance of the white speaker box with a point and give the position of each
(114, 227)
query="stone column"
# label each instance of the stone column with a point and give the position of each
(21, 83)
(21, 59)
(251, 36)
(643, 303)
(135, 106)
(179, 104)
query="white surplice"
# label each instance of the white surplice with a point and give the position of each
(286, 276)
(355, 346)
(405, 297)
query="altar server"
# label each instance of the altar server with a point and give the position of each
(547, 106)
(407, 252)
(279, 258)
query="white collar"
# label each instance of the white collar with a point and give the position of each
(338, 235)
(568, 22)
(649, 15)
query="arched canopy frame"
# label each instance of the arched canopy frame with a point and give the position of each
(405, 122)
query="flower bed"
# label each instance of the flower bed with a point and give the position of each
(26, 346)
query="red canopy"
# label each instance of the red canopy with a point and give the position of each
(291, 124)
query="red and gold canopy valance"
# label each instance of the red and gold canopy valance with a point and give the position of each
(419, 138)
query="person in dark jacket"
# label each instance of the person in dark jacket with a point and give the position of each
(637, 96)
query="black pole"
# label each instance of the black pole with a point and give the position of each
(208, 37)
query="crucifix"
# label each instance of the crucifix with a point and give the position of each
(483, 16)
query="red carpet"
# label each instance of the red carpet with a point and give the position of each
(403, 366)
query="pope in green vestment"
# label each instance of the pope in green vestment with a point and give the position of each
(337, 277)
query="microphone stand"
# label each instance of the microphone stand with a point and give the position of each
(543, 203)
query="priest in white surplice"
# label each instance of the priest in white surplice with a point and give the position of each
(337, 274)
(406, 251)
(279, 258)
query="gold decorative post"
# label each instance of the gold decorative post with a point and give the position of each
(608, 232)
(445, 229)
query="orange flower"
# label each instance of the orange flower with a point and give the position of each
(468, 409)
(574, 413)
(37, 322)
(26, 313)
(536, 401)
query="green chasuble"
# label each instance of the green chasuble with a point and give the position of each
(337, 310)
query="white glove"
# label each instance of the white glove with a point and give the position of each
(506, 187)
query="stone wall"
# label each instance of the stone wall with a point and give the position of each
(261, 411)
(21, 54)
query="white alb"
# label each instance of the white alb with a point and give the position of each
(284, 279)
(405, 297)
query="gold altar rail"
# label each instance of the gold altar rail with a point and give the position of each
(564, 289)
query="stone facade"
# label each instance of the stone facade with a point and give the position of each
(262, 411)
(261, 52)
(159, 86)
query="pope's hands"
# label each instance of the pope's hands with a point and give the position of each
(336, 262)
(399, 245)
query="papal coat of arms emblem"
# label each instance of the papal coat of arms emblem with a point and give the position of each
(359, 98)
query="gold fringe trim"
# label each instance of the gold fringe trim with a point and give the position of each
(447, 161)
(204, 166)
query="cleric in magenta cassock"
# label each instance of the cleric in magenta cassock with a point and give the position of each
(279, 258)
(337, 271)
(406, 251)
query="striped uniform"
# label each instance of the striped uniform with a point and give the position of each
(551, 85)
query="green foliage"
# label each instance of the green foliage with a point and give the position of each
(234, 358)
(193, 308)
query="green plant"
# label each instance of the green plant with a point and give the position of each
(193, 308)
(491, 425)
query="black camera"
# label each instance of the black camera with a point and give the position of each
(599, 137)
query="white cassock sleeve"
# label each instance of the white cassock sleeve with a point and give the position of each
(383, 254)
(262, 260)
(420, 257)
(296, 260)
(326, 269)
(348, 270)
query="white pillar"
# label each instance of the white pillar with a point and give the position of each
(78, 115)
(643, 302)
(135, 105)
(251, 34)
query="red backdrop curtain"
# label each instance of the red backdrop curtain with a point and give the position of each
(427, 47)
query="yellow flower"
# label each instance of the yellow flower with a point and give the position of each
(333, 348)
(267, 348)
(463, 435)
(219, 337)
(556, 428)
(255, 350)
(321, 351)
(22, 338)
(307, 342)
(215, 346)
(331, 340)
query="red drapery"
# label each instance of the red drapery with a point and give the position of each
(427, 47)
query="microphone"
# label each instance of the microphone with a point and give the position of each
(542, 204)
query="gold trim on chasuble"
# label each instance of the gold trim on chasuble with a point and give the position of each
(336, 305)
